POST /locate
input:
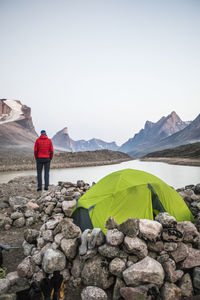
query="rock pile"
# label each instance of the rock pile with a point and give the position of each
(138, 259)
(26, 212)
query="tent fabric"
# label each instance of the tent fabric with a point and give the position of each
(131, 194)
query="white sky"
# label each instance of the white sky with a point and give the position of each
(101, 67)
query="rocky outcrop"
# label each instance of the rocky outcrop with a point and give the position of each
(16, 126)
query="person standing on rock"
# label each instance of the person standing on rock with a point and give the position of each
(43, 152)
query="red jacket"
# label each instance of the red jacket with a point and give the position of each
(43, 147)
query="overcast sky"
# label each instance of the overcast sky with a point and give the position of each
(101, 67)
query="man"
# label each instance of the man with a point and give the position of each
(43, 152)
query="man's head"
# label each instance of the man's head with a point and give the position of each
(43, 132)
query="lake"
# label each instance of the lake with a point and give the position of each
(175, 175)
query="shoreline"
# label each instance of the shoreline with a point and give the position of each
(66, 165)
(174, 161)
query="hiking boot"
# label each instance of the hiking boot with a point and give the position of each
(39, 189)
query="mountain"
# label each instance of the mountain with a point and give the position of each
(153, 133)
(184, 151)
(62, 141)
(16, 126)
(190, 134)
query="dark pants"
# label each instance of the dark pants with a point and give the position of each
(40, 163)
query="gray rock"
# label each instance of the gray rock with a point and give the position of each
(171, 274)
(185, 285)
(172, 234)
(117, 266)
(27, 248)
(170, 246)
(31, 235)
(131, 293)
(147, 270)
(4, 285)
(18, 201)
(47, 235)
(180, 253)
(192, 260)
(109, 251)
(68, 206)
(166, 220)
(80, 183)
(136, 246)
(51, 224)
(69, 247)
(93, 293)
(190, 231)
(111, 223)
(114, 237)
(19, 222)
(3, 205)
(69, 230)
(58, 238)
(95, 272)
(119, 283)
(149, 229)
(170, 291)
(16, 215)
(49, 209)
(26, 268)
(76, 268)
(196, 278)
(53, 260)
(156, 246)
(29, 213)
(130, 227)
(30, 221)
(37, 258)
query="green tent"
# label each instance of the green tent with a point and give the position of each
(128, 194)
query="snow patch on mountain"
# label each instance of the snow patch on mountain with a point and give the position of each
(15, 113)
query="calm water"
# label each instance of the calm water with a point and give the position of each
(174, 175)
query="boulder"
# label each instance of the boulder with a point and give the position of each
(117, 266)
(68, 206)
(166, 220)
(196, 278)
(180, 253)
(149, 229)
(147, 270)
(47, 235)
(69, 247)
(130, 227)
(131, 293)
(95, 272)
(190, 231)
(53, 260)
(4, 285)
(192, 260)
(185, 285)
(156, 246)
(19, 222)
(26, 268)
(31, 235)
(114, 237)
(136, 246)
(68, 228)
(18, 201)
(16, 215)
(109, 251)
(111, 223)
(170, 291)
(93, 293)
(171, 274)
(119, 283)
